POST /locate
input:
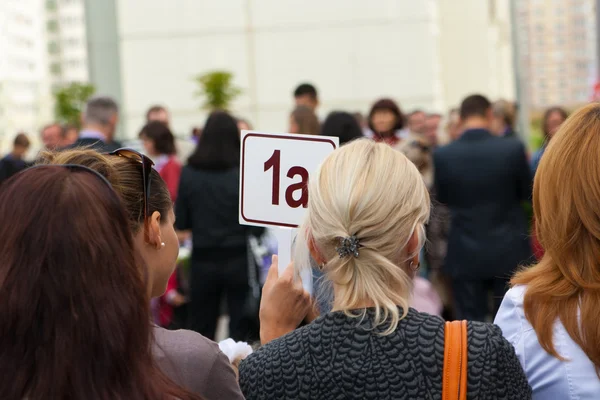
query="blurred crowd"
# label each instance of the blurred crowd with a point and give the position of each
(433, 222)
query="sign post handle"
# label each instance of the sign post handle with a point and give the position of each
(284, 248)
(285, 241)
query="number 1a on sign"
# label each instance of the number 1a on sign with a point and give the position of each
(274, 163)
(274, 173)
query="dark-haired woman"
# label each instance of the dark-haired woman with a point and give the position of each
(342, 125)
(552, 120)
(188, 358)
(74, 311)
(207, 205)
(386, 122)
(159, 144)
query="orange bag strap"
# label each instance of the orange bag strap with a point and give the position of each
(454, 380)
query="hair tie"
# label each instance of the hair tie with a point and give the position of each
(348, 246)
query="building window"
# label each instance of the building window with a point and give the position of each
(52, 26)
(55, 68)
(53, 48)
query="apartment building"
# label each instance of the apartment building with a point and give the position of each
(23, 86)
(557, 42)
(67, 45)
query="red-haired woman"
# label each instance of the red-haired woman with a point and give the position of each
(74, 307)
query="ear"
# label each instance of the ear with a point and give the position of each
(154, 231)
(412, 246)
(314, 251)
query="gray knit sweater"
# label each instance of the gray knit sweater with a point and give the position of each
(334, 358)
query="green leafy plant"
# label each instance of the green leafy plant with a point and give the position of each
(70, 101)
(217, 89)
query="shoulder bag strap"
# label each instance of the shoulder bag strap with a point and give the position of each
(454, 381)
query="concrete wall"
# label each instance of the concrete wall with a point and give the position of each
(425, 54)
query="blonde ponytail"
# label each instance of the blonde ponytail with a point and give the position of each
(372, 192)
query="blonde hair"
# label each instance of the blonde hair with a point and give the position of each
(565, 284)
(371, 191)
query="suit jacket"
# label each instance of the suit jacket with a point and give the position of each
(484, 180)
(94, 144)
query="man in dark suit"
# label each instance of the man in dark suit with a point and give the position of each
(484, 180)
(99, 124)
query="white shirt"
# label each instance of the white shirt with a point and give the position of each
(549, 377)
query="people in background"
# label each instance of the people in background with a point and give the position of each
(75, 317)
(243, 125)
(159, 144)
(551, 314)
(303, 120)
(453, 125)
(306, 95)
(99, 125)
(208, 206)
(432, 127)
(483, 179)
(69, 136)
(504, 117)
(342, 125)
(158, 113)
(552, 120)
(188, 358)
(52, 136)
(364, 226)
(14, 161)
(415, 122)
(386, 122)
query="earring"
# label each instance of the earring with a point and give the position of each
(411, 265)
(162, 245)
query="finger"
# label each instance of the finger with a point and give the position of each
(288, 273)
(273, 273)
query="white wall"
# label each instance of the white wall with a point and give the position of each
(351, 50)
(427, 54)
(475, 49)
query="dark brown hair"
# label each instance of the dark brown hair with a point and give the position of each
(125, 177)
(307, 121)
(75, 311)
(21, 140)
(474, 105)
(161, 135)
(389, 105)
(153, 110)
(563, 113)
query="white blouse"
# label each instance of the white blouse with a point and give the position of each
(549, 377)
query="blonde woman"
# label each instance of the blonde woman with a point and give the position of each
(552, 313)
(365, 226)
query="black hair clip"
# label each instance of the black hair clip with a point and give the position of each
(348, 246)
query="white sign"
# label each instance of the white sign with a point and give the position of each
(274, 173)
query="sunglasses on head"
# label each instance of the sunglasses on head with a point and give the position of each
(146, 170)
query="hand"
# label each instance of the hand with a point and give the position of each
(283, 305)
(178, 300)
